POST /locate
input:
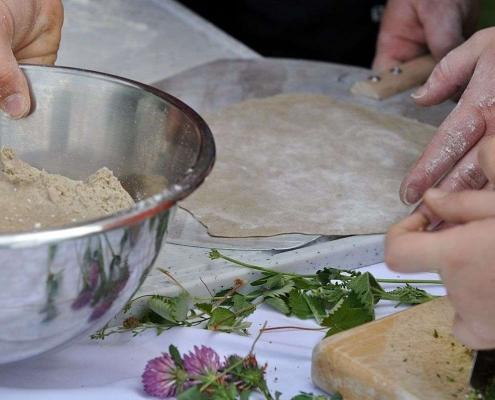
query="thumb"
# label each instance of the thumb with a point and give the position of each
(14, 90)
(443, 34)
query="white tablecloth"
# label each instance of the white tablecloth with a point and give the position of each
(111, 369)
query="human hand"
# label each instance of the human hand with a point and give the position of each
(452, 153)
(29, 33)
(464, 254)
(411, 28)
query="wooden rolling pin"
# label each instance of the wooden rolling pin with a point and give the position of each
(410, 355)
(396, 80)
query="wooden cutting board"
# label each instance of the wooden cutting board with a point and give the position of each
(410, 355)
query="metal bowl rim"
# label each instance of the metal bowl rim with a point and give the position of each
(143, 209)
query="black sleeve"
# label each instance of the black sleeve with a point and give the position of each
(342, 31)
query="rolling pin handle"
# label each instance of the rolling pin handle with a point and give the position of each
(374, 78)
(396, 70)
(395, 80)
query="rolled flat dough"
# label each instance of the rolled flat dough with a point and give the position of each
(301, 163)
(32, 199)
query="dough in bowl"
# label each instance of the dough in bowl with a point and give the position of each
(32, 199)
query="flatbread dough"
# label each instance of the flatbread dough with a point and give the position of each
(32, 199)
(301, 163)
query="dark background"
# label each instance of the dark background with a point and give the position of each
(342, 31)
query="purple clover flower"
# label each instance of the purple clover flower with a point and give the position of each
(162, 378)
(203, 361)
(93, 274)
(83, 299)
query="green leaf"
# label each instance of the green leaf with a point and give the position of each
(161, 306)
(239, 302)
(304, 396)
(192, 394)
(224, 292)
(315, 304)
(174, 353)
(327, 275)
(263, 280)
(348, 314)
(367, 289)
(298, 305)
(214, 254)
(275, 281)
(407, 295)
(239, 326)
(174, 309)
(281, 291)
(183, 304)
(241, 306)
(204, 307)
(305, 283)
(331, 294)
(278, 304)
(219, 391)
(245, 395)
(221, 316)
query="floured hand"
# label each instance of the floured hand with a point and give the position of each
(452, 153)
(463, 254)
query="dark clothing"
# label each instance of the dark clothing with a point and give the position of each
(342, 31)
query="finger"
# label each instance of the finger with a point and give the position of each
(460, 131)
(40, 60)
(436, 222)
(14, 91)
(444, 225)
(461, 207)
(468, 335)
(486, 158)
(451, 74)
(473, 117)
(409, 249)
(43, 50)
(466, 174)
(400, 38)
(413, 223)
(388, 57)
(473, 205)
(442, 34)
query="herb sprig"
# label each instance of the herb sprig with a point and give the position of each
(202, 375)
(336, 299)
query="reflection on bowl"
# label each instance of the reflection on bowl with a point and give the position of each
(59, 284)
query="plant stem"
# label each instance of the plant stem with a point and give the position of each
(269, 271)
(225, 372)
(299, 328)
(415, 281)
(170, 276)
(262, 269)
(258, 337)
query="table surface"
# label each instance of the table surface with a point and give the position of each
(145, 40)
(111, 369)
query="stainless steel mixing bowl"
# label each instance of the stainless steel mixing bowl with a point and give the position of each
(58, 284)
